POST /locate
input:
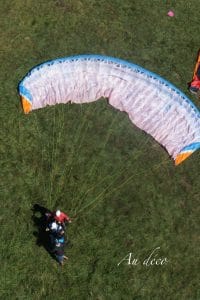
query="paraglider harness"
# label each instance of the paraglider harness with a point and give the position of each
(57, 236)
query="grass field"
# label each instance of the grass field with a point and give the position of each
(118, 184)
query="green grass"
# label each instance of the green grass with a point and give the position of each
(89, 160)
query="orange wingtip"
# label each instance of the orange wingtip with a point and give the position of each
(26, 105)
(181, 157)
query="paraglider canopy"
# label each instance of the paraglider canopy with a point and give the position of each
(152, 103)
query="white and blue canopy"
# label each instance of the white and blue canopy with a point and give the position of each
(152, 103)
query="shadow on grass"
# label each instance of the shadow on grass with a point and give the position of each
(39, 219)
